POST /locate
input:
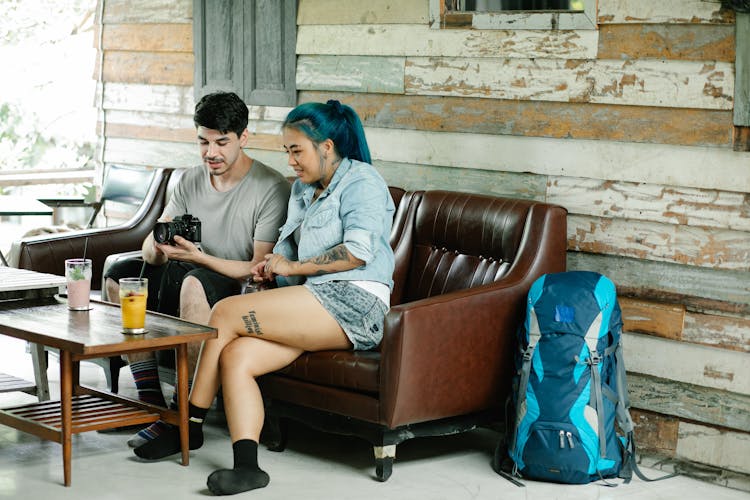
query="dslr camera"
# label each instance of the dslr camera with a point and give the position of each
(187, 226)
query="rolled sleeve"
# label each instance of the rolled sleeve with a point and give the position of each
(360, 243)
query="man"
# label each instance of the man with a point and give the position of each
(241, 204)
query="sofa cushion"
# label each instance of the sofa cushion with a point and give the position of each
(355, 370)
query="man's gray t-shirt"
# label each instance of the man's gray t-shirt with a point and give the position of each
(254, 209)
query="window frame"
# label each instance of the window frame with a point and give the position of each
(530, 20)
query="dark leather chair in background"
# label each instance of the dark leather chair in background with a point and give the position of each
(464, 264)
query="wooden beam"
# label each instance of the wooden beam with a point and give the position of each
(351, 73)
(695, 246)
(698, 289)
(661, 320)
(420, 40)
(689, 401)
(149, 37)
(153, 68)
(655, 433)
(170, 99)
(645, 82)
(148, 11)
(649, 124)
(689, 363)
(742, 84)
(696, 167)
(651, 202)
(688, 42)
(362, 12)
(663, 12)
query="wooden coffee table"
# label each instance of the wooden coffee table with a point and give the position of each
(82, 335)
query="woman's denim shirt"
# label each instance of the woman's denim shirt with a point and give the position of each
(355, 209)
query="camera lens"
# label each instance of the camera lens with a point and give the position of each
(162, 234)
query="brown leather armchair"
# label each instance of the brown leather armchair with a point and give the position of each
(47, 253)
(464, 264)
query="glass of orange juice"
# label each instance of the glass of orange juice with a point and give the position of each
(133, 295)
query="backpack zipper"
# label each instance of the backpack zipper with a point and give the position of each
(570, 439)
(562, 439)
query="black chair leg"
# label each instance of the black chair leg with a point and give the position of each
(275, 433)
(384, 456)
(115, 363)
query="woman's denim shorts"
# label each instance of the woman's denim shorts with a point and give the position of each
(359, 313)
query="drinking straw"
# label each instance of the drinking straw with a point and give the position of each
(143, 268)
(85, 246)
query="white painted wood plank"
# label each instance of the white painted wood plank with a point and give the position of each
(685, 362)
(351, 74)
(695, 246)
(697, 167)
(532, 21)
(662, 11)
(651, 202)
(672, 83)
(420, 40)
(151, 98)
(708, 445)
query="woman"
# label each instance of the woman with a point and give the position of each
(334, 266)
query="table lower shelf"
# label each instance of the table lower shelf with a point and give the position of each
(89, 413)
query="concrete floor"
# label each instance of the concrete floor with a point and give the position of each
(314, 466)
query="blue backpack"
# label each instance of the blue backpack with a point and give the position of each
(569, 390)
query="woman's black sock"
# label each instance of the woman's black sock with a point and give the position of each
(168, 442)
(245, 476)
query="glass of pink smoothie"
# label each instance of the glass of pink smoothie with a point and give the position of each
(78, 276)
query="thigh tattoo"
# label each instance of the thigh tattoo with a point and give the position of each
(251, 324)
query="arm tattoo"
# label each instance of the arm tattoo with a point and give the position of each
(251, 324)
(339, 253)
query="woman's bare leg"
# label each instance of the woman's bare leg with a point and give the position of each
(290, 316)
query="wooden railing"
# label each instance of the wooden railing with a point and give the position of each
(9, 178)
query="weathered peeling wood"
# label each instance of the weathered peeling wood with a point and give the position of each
(654, 432)
(742, 68)
(509, 184)
(663, 11)
(532, 21)
(650, 202)
(680, 84)
(420, 40)
(150, 132)
(689, 401)
(699, 289)
(152, 153)
(685, 362)
(688, 127)
(741, 139)
(362, 12)
(695, 246)
(171, 121)
(149, 98)
(155, 68)
(726, 449)
(148, 11)
(725, 332)
(653, 318)
(688, 42)
(700, 167)
(148, 37)
(351, 73)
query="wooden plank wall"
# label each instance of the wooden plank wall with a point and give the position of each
(628, 126)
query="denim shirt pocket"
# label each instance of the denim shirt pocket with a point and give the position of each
(322, 231)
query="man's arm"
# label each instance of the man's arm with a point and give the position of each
(151, 252)
(186, 251)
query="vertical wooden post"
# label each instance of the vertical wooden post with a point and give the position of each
(742, 83)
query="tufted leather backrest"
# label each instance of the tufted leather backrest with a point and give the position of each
(459, 241)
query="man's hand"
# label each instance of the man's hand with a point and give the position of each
(276, 264)
(182, 249)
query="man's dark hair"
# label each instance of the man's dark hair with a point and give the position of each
(222, 111)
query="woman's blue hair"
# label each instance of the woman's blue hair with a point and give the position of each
(334, 121)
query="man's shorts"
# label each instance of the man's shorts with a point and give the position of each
(164, 282)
